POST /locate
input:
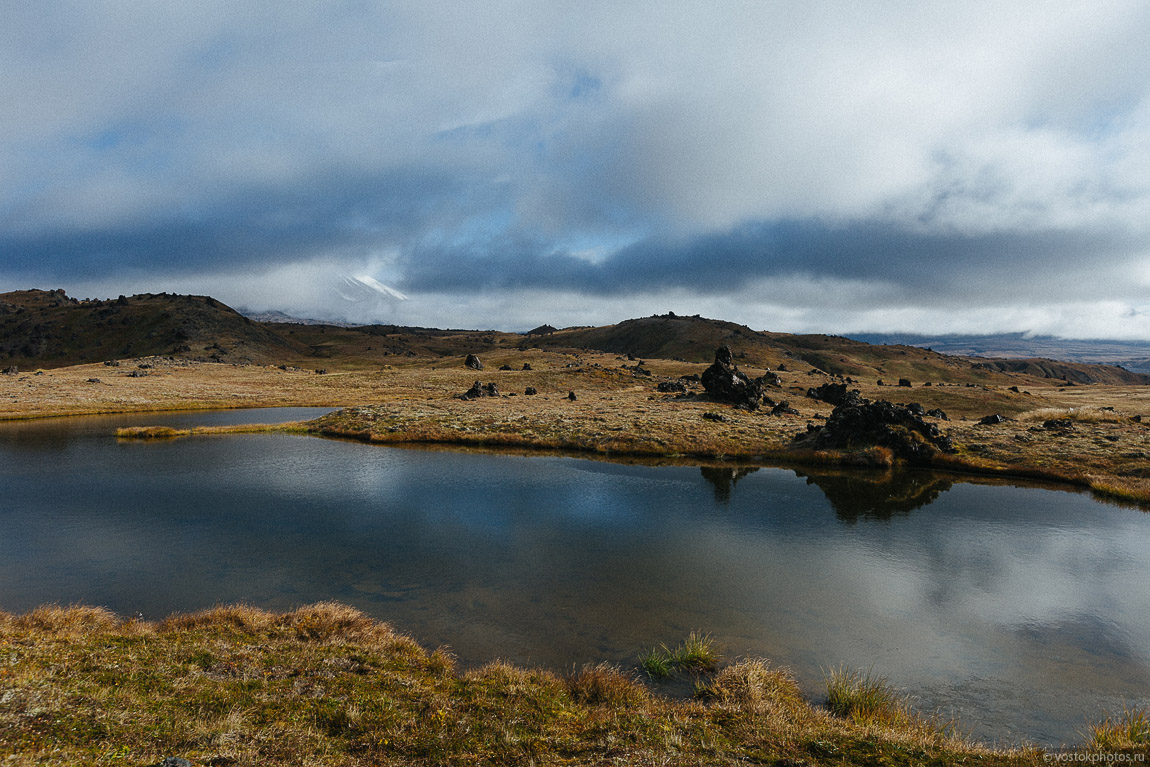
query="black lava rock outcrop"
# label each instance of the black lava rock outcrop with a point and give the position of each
(724, 381)
(836, 394)
(478, 390)
(881, 424)
(473, 362)
(992, 420)
(672, 387)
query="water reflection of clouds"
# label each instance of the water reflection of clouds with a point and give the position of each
(554, 559)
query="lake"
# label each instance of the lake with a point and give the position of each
(1021, 610)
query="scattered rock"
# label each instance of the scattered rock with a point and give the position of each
(321, 371)
(530, 390)
(991, 420)
(881, 424)
(478, 390)
(1058, 423)
(473, 362)
(112, 363)
(692, 378)
(879, 382)
(904, 382)
(937, 413)
(784, 408)
(836, 394)
(1015, 390)
(11, 371)
(505, 367)
(672, 387)
(173, 761)
(571, 396)
(715, 417)
(137, 374)
(526, 365)
(724, 381)
(94, 380)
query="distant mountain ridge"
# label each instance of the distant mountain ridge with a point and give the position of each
(1131, 355)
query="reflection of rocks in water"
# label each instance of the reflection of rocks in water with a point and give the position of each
(878, 496)
(723, 479)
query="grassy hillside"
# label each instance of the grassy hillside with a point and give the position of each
(47, 329)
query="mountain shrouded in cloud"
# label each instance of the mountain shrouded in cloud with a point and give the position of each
(836, 166)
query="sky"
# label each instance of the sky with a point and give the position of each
(834, 167)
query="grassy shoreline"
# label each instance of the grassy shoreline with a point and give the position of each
(326, 685)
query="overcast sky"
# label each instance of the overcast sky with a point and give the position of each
(833, 166)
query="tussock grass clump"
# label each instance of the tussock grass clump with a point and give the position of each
(695, 653)
(1127, 732)
(604, 684)
(54, 620)
(863, 697)
(755, 686)
(869, 700)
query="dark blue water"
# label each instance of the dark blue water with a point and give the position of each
(1023, 611)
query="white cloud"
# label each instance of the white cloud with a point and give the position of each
(179, 142)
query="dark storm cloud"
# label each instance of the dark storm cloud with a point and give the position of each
(248, 226)
(920, 262)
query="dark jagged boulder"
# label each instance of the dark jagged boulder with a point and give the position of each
(836, 394)
(904, 382)
(571, 396)
(505, 367)
(473, 362)
(1058, 423)
(478, 390)
(783, 408)
(937, 413)
(530, 390)
(992, 420)
(672, 387)
(881, 424)
(724, 381)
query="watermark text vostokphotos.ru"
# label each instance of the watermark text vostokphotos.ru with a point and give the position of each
(1092, 757)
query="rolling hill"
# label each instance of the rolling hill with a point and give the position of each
(48, 329)
(41, 328)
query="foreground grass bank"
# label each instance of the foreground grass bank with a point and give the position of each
(326, 685)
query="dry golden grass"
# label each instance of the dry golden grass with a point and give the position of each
(618, 412)
(325, 685)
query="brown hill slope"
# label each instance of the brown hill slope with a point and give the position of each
(694, 339)
(48, 329)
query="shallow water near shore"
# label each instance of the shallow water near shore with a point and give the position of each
(1024, 612)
